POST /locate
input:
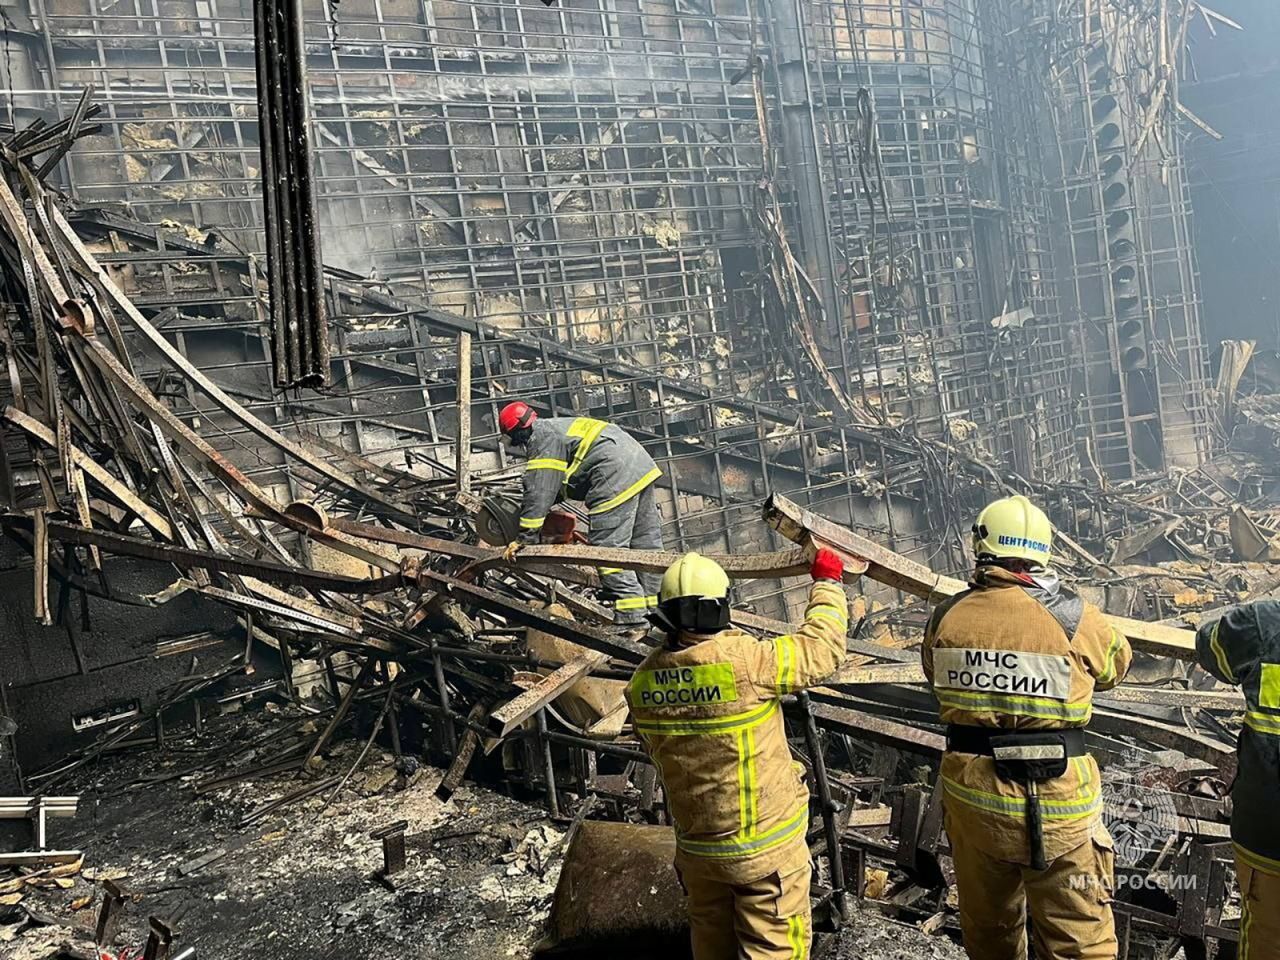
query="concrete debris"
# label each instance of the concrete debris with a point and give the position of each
(533, 854)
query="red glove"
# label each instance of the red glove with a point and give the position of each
(827, 565)
(559, 528)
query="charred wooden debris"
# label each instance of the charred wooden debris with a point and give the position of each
(365, 584)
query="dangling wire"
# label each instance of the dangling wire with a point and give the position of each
(869, 156)
(331, 18)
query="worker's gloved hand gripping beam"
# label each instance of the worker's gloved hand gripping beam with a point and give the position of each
(892, 569)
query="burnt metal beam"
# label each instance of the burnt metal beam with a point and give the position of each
(830, 808)
(867, 726)
(893, 569)
(585, 635)
(520, 708)
(462, 446)
(187, 558)
(95, 471)
(465, 753)
(748, 566)
(1185, 741)
(113, 901)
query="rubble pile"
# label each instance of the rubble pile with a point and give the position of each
(426, 645)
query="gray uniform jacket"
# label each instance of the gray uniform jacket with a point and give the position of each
(579, 458)
(1243, 648)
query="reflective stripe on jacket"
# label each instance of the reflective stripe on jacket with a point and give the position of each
(579, 458)
(709, 712)
(1243, 649)
(1020, 653)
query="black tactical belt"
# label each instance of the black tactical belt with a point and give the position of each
(977, 740)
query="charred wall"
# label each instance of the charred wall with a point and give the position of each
(590, 174)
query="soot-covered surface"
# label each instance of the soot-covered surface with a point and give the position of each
(297, 885)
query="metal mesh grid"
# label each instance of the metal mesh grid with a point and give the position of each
(396, 398)
(941, 225)
(1128, 212)
(586, 173)
(566, 170)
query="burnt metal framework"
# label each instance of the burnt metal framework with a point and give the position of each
(587, 176)
(938, 207)
(573, 172)
(394, 404)
(1132, 282)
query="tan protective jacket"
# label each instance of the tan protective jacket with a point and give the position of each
(708, 711)
(1017, 653)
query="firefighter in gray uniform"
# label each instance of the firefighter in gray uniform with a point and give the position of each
(580, 458)
(1243, 649)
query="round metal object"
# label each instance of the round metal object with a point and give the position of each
(307, 513)
(498, 520)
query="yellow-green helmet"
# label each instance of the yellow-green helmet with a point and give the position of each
(1013, 528)
(694, 595)
(693, 575)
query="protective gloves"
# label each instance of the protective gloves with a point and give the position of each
(827, 565)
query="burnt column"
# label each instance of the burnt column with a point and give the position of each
(800, 152)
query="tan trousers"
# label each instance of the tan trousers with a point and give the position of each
(1260, 913)
(1070, 903)
(768, 919)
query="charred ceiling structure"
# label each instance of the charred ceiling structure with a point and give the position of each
(869, 262)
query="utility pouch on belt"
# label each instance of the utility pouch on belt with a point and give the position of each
(1031, 759)
(1025, 758)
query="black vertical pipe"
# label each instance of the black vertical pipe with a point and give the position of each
(295, 268)
(829, 807)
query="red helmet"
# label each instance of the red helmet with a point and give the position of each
(516, 416)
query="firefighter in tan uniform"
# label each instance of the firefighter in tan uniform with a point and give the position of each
(707, 705)
(1014, 662)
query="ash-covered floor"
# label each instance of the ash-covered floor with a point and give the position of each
(480, 873)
